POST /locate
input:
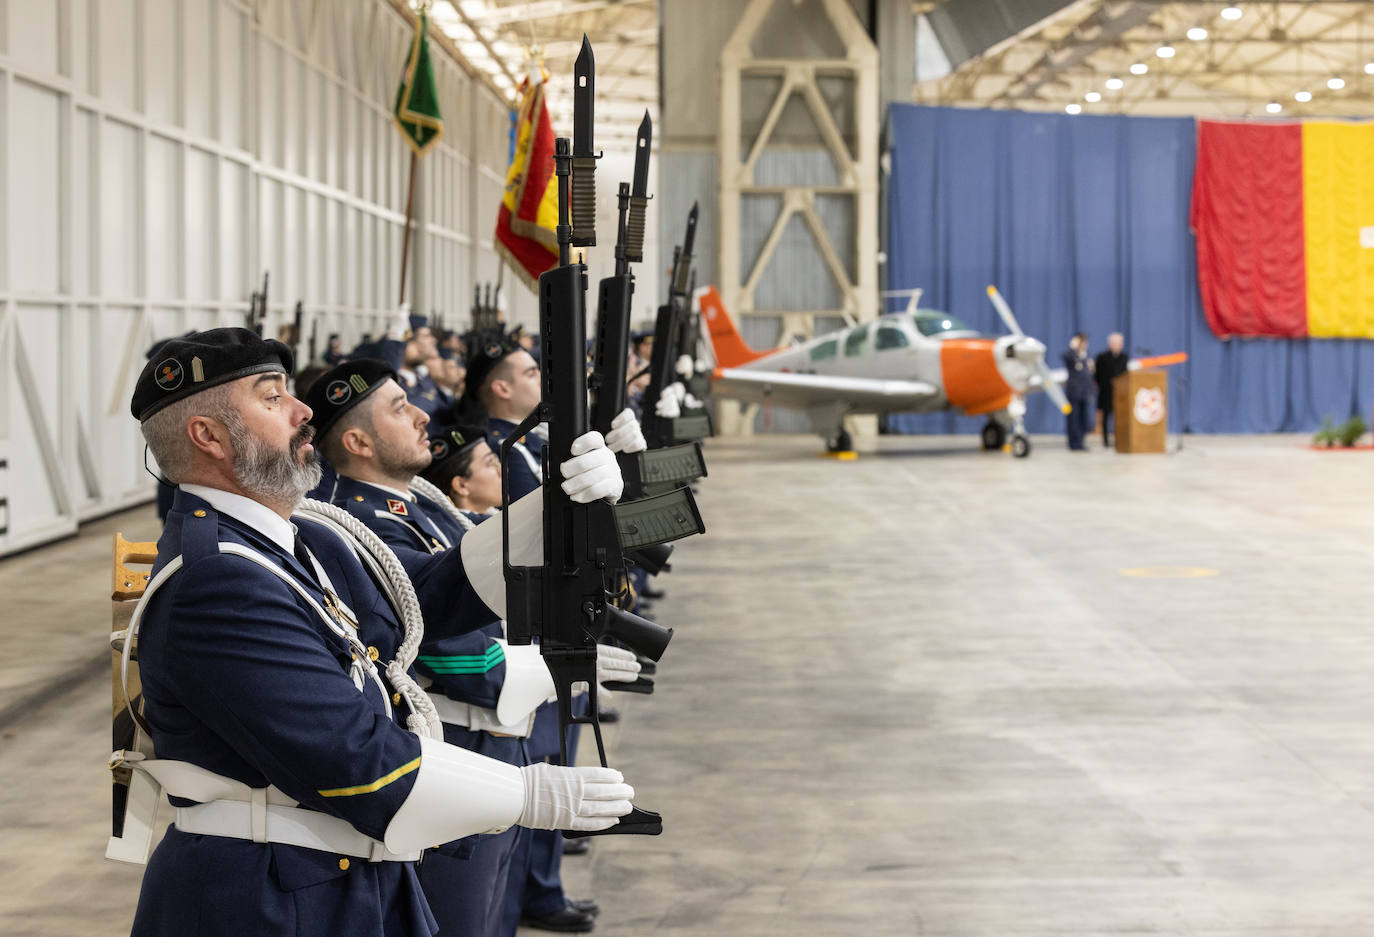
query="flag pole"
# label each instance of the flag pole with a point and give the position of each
(410, 210)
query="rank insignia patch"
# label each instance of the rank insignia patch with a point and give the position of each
(338, 393)
(169, 374)
(396, 507)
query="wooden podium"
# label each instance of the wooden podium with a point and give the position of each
(1140, 411)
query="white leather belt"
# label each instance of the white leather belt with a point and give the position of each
(477, 718)
(261, 814)
(293, 826)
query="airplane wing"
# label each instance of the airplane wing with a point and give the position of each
(803, 390)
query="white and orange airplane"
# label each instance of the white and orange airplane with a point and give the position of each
(915, 361)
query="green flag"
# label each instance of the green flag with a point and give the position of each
(417, 100)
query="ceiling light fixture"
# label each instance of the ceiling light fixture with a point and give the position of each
(1335, 84)
(1232, 13)
(1074, 109)
(1140, 68)
(1165, 52)
(1092, 97)
(1273, 107)
(1115, 84)
(1197, 34)
(1302, 97)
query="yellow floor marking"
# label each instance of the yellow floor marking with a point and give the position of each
(1170, 572)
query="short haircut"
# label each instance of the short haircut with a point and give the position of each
(357, 417)
(165, 430)
(503, 370)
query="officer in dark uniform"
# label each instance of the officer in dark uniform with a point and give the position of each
(272, 688)
(1108, 366)
(486, 692)
(1078, 388)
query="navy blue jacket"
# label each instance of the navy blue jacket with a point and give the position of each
(240, 676)
(523, 480)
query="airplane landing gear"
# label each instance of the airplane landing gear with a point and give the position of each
(841, 442)
(1020, 446)
(994, 435)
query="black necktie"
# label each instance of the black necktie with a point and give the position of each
(303, 557)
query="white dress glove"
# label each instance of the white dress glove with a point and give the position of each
(592, 472)
(400, 323)
(613, 665)
(689, 402)
(625, 434)
(669, 403)
(616, 664)
(585, 799)
(684, 366)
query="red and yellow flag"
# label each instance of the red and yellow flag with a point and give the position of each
(526, 224)
(1284, 218)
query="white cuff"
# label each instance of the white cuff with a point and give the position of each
(481, 549)
(457, 793)
(528, 683)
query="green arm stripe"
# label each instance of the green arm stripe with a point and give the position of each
(464, 663)
(376, 785)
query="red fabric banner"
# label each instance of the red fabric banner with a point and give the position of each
(1247, 215)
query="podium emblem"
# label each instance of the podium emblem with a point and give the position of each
(1149, 405)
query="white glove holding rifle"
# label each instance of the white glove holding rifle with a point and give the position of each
(669, 404)
(613, 665)
(625, 434)
(583, 799)
(592, 472)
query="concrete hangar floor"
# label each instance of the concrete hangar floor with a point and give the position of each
(933, 691)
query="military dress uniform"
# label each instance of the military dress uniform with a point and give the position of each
(242, 677)
(465, 880)
(464, 669)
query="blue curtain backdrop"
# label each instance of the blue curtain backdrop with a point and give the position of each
(1082, 223)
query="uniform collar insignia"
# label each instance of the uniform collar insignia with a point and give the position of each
(396, 507)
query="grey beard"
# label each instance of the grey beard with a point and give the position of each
(272, 475)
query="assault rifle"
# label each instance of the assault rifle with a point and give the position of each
(646, 525)
(257, 308)
(662, 431)
(655, 470)
(565, 602)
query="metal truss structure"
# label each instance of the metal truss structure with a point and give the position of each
(1164, 57)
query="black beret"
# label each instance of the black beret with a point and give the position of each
(489, 350)
(193, 363)
(342, 388)
(448, 445)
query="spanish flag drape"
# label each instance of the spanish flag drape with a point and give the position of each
(527, 221)
(1284, 218)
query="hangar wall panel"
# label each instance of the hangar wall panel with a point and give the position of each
(159, 156)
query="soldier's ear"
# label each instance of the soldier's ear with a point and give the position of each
(500, 388)
(356, 443)
(458, 487)
(209, 436)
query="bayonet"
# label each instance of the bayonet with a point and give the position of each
(584, 154)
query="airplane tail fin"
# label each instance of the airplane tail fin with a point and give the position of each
(726, 342)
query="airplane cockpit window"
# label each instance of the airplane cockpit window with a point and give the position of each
(854, 342)
(890, 337)
(934, 322)
(825, 350)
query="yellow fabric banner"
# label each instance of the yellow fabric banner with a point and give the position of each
(1338, 223)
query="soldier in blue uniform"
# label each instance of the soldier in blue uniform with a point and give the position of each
(1078, 388)
(266, 655)
(486, 693)
(503, 383)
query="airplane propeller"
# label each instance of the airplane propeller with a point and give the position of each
(1029, 351)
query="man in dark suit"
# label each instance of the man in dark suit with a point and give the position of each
(1108, 366)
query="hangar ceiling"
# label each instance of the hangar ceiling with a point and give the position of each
(1293, 59)
(499, 37)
